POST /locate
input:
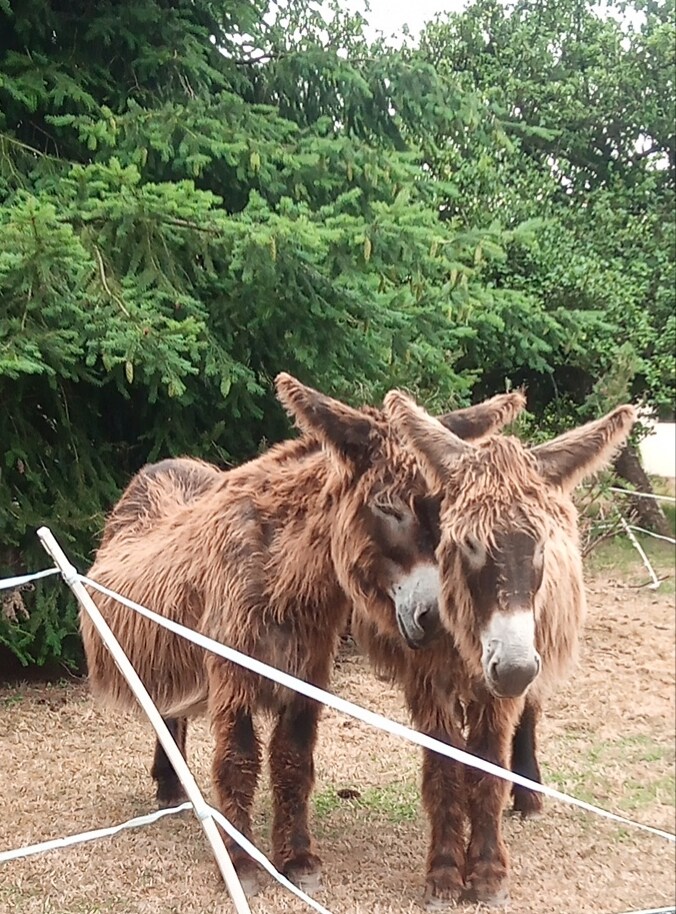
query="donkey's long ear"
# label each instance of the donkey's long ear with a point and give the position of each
(484, 418)
(435, 446)
(568, 459)
(346, 431)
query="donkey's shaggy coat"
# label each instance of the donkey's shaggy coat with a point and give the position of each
(268, 558)
(513, 604)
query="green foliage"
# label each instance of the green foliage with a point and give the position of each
(196, 196)
(584, 101)
(179, 224)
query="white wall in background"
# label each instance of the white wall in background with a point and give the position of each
(658, 451)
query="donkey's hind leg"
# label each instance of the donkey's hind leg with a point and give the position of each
(524, 761)
(292, 777)
(169, 788)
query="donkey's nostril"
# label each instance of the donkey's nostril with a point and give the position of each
(512, 679)
(426, 618)
(421, 612)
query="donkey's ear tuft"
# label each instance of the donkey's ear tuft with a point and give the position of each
(347, 432)
(435, 447)
(290, 393)
(485, 418)
(567, 460)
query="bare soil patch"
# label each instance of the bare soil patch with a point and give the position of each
(65, 766)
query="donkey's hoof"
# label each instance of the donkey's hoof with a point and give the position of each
(167, 797)
(252, 878)
(528, 805)
(443, 888)
(497, 900)
(492, 893)
(308, 882)
(251, 882)
(305, 872)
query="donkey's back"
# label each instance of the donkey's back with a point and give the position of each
(156, 490)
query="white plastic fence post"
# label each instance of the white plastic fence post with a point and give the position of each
(200, 807)
(637, 546)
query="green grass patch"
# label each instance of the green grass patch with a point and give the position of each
(327, 801)
(619, 557)
(602, 769)
(398, 802)
(395, 802)
(657, 790)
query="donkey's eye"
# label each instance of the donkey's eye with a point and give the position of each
(388, 511)
(474, 551)
(539, 556)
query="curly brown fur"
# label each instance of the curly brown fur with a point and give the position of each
(267, 558)
(217, 552)
(495, 494)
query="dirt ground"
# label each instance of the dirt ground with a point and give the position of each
(608, 737)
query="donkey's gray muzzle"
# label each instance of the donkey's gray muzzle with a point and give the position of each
(416, 602)
(510, 659)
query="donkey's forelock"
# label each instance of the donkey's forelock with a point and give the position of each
(493, 487)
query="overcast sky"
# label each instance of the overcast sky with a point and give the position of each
(389, 16)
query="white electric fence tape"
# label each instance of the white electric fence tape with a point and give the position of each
(671, 910)
(207, 814)
(28, 850)
(260, 858)
(10, 583)
(178, 763)
(657, 536)
(644, 558)
(368, 717)
(669, 498)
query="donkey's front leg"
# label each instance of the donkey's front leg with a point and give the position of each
(524, 760)
(490, 730)
(443, 798)
(236, 762)
(292, 777)
(169, 790)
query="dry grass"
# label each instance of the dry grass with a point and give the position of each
(608, 736)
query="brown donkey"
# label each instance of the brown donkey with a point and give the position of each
(267, 558)
(513, 604)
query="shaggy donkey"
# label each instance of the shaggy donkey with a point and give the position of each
(268, 558)
(162, 486)
(513, 603)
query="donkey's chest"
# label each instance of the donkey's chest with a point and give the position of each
(301, 649)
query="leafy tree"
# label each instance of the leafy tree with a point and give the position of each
(584, 99)
(192, 201)
(196, 195)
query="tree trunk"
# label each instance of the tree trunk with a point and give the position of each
(648, 510)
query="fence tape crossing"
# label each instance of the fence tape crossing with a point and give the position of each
(363, 714)
(142, 696)
(76, 580)
(30, 850)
